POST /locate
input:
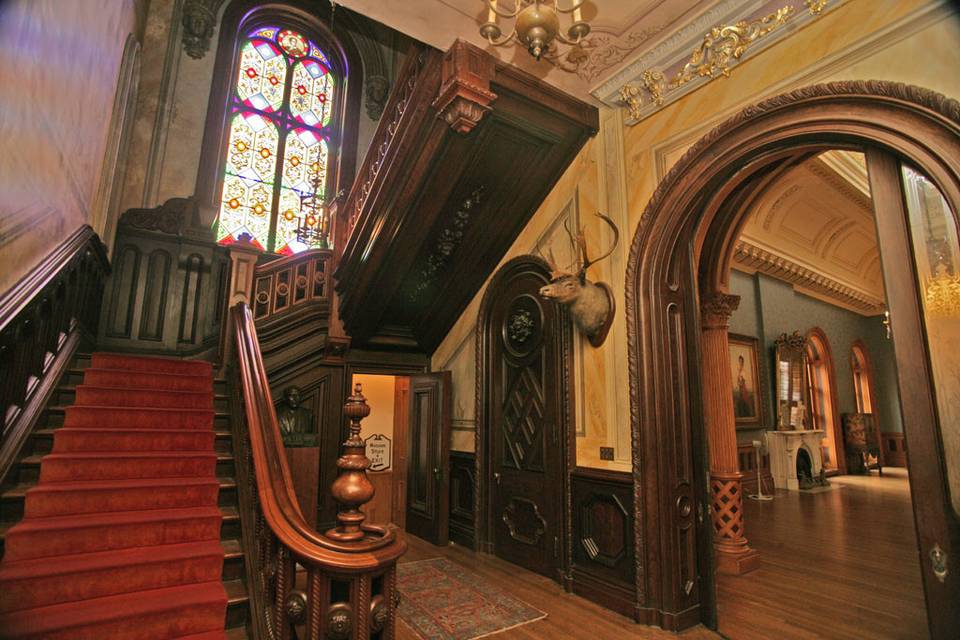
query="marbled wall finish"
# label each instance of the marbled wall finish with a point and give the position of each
(911, 41)
(59, 76)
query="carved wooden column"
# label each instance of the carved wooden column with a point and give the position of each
(734, 555)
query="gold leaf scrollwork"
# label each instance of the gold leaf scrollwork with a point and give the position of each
(721, 48)
(724, 45)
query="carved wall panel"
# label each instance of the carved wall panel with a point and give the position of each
(167, 292)
(462, 480)
(603, 553)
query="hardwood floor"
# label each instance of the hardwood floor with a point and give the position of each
(568, 616)
(841, 564)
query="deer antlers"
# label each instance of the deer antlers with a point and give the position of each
(578, 245)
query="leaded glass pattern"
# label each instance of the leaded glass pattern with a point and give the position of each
(279, 142)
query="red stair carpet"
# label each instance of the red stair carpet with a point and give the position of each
(121, 536)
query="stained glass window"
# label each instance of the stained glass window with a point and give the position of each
(279, 143)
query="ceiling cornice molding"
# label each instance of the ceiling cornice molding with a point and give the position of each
(842, 184)
(752, 258)
(732, 32)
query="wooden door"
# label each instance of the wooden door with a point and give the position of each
(428, 457)
(524, 421)
(931, 430)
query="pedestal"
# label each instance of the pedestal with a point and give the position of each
(304, 465)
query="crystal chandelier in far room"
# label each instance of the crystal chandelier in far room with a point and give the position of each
(536, 25)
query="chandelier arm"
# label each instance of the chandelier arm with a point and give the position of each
(505, 40)
(574, 7)
(568, 41)
(506, 14)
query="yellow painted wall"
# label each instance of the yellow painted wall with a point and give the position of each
(911, 41)
(379, 392)
(59, 75)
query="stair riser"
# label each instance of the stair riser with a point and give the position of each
(106, 378)
(41, 544)
(98, 397)
(41, 504)
(152, 365)
(173, 623)
(67, 440)
(142, 418)
(53, 589)
(60, 470)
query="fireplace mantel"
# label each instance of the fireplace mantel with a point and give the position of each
(783, 446)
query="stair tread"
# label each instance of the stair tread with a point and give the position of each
(131, 605)
(96, 455)
(53, 430)
(236, 591)
(134, 408)
(152, 373)
(91, 561)
(104, 518)
(232, 548)
(101, 387)
(19, 492)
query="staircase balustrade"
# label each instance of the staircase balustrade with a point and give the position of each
(339, 585)
(291, 283)
(43, 319)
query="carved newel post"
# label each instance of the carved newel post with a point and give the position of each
(734, 555)
(352, 489)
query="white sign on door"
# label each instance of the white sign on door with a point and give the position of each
(379, 451)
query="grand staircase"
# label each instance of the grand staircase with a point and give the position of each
(126, 523)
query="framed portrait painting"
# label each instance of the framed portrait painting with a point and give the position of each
(745, 372)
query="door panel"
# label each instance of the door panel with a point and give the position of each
(926, 429)
(428, 459)
(524, 405)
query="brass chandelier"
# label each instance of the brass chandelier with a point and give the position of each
(537, 25)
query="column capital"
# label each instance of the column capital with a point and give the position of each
(716, 309)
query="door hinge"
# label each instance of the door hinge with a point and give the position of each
(938, 558)
(556, 547)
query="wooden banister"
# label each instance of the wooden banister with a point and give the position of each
(43, 319)
(346, 588)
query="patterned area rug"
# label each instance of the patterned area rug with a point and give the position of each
(440, 600)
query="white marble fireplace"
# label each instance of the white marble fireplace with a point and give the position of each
(783, 447)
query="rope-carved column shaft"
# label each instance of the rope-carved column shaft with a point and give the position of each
(734, 555)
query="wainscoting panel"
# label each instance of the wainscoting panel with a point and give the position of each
(167, 292)
(462, 484)
(603, 541)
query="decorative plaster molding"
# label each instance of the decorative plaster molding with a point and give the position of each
(706, 49)
(753, 258)
(199, 19)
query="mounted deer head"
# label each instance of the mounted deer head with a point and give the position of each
(591, 304)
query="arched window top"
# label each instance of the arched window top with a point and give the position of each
(862, 383)
(283, 141)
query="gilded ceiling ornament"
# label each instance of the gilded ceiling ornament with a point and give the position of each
(815, 7)
(720, 49)
(724, 45)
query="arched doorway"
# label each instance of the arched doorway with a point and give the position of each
(680, 259)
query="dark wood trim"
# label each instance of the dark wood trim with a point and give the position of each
(483, 513)
(462, 478)
(668, 271)
(44, 317)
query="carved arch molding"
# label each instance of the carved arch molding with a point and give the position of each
(682, 249)
(199, 18)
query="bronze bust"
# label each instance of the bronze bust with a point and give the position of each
(296, 421)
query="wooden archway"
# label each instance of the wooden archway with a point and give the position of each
(682, 250)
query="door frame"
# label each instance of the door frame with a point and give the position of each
(682, 249)
(483, 465)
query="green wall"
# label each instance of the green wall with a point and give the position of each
(769, 307)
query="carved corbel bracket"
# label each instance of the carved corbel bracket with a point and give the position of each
(198, 19)
(465, 95)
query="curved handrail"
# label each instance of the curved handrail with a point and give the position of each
(275, 492)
